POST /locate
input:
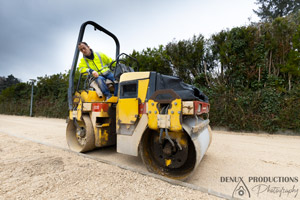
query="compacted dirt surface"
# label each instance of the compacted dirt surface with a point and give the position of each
(33, 171)
(34, 165)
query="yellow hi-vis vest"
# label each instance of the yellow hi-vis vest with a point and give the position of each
(99, 64)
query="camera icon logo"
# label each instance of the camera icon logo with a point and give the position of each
(241, 190)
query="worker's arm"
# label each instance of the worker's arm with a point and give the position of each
(107, 60)
(83, 68)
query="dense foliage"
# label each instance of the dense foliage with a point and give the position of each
(251, 75)
(7, 82)
(271, 9)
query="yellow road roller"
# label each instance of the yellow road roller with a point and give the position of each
(156, 116)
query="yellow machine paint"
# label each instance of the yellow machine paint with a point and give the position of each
(168, 162)
(83, 102)
(165, 120)
(152, 114)
(142, 89)
(103, 137)
(175, 113)
(169, 134)
(134, 76)
(79, 98)
(76, 113)
(128, 108)
(171, 120)
(128, 111)
(90, 96)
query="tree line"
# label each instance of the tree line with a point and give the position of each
(250, 74)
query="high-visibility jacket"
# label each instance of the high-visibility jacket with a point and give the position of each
(99, 64)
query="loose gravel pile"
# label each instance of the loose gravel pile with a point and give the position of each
(33, 171)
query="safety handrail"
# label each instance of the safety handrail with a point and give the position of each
(76, 54)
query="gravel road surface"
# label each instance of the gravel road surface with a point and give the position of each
(268, 165)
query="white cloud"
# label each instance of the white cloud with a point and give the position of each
(39, 37)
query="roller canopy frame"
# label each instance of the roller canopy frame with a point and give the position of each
(76, 54)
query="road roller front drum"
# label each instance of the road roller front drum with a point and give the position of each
(80, 137)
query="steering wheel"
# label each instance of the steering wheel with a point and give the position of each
(110, 65)
(118, 60)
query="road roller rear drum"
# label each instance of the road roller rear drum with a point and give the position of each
(174, 159)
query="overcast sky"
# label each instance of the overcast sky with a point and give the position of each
(38, 37)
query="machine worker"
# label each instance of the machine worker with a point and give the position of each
(96, 64)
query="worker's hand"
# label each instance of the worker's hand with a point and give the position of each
(95, 74)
